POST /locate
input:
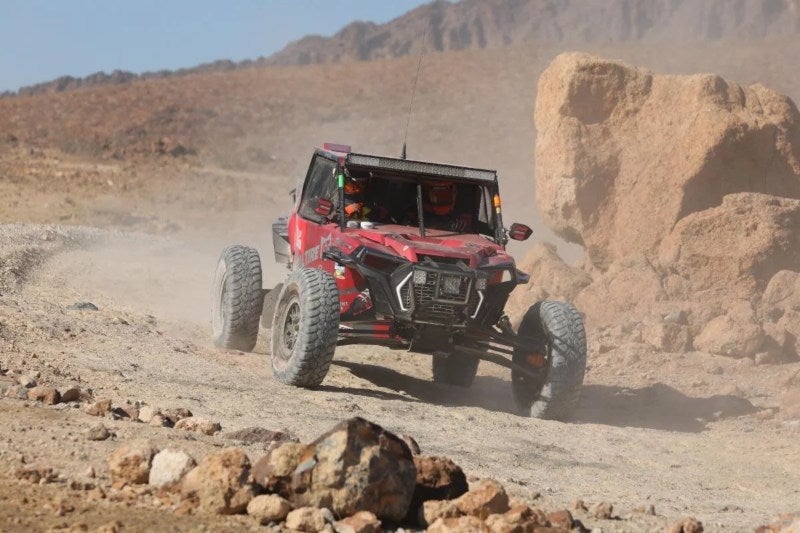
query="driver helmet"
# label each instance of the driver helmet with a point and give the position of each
(439, 197)
(354, 186)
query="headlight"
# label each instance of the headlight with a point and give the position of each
(451, 285)
(480, 284)
(420, 277)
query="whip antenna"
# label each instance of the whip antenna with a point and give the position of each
(414, 91)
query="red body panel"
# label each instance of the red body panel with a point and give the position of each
(308, 240)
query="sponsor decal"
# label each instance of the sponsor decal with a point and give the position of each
(338, 271)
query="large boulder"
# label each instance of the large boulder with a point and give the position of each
(356, 466)
(622, 154)
(731, 251)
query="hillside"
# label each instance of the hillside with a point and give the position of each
(478, 24)
(492, 24)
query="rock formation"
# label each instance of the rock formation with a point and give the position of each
(685, 192)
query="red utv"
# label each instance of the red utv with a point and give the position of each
(402, 271)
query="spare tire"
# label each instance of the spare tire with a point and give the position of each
(236, 299)
(305, 328)
(556, 349)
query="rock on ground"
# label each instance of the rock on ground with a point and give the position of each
(438, 478)
(356, 466)
(361, 522)
(268, 508)
(46, 395)
(198, 425)
(220, 483)
(169, 467)
(310, 519)
(274, 471)
(131, 462)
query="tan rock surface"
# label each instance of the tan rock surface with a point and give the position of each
(623, 154)
(356, 466)
(220, 482)
(131, 462)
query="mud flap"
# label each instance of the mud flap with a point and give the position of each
(270, 303)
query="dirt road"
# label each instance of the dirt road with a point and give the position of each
(640, 436)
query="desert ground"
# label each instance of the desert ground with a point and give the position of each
(693, 435)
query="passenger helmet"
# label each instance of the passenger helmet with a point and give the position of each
(439, 197)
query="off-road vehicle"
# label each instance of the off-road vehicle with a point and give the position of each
(406, 278)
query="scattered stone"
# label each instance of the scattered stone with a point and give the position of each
(220, 483)
(26, 381)
(268, 508)
(131, 462)
(310, 519)
(176, 414)
(273, 472)
(645, 509)
(146, 413)
(433, 510)
(462, 524)
(98, 408)
(518, 519)
(438, 478)
(562, 519)
(601, 510)
(198, 425)
(257, 435)
(46, 395)
(83, 306)
(731, 336)
(361, 522)
(489, 497)
(578, 505)
(686, 525)
(356, 466)
(72, 394)
(17, 392)
(36, 474)
(159, 420)
(169, 467)
(126, 410)
(98, 432)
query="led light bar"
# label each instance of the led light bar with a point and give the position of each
(420, 167)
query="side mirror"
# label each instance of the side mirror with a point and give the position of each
(324, 207)
(519, 232)
(293, 194)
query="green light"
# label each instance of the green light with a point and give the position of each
(341, 181)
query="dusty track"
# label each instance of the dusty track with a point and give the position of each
(638, 438)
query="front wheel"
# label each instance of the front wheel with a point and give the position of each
(305, 328)
(556, 350)
(237, 298)
(455, 369)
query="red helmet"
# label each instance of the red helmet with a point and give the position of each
(353, 186)
(439, 197)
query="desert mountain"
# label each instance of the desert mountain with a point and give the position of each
(471, 24)
(490, 24)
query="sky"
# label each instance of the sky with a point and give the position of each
(43, 39)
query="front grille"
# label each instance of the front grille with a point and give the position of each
(448, 308)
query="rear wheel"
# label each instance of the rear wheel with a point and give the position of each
(305, 328)
(455, 369)
(237, 299)
(557, 353)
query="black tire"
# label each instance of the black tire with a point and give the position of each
(305, 328)
(557, 333)
(237, 299)
(455, 369)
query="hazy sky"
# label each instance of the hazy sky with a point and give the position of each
(44, 39)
